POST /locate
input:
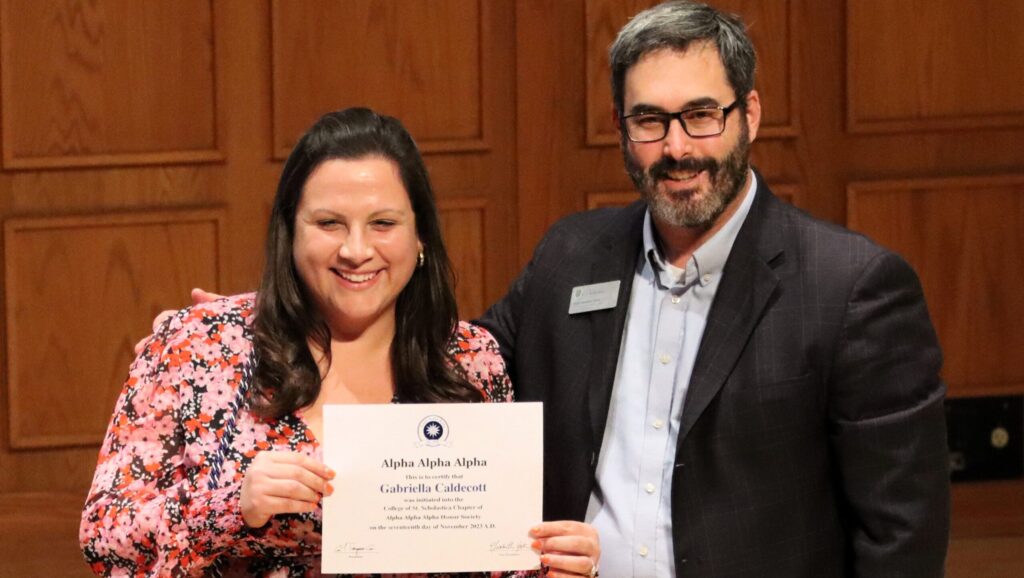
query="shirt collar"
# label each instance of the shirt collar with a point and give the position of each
(708, 260)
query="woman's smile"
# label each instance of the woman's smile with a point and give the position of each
(360, 280)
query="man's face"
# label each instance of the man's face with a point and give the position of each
(688, 182)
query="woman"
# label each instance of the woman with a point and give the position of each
(211, 464)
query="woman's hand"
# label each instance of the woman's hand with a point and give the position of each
(567, 548)
(282, 483)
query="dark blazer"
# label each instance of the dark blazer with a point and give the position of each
(812, 441)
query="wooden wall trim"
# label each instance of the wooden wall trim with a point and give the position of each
(994, 557)
(857, 126)
(937, 70)
(787, 192)
(600, 200)
(112, 161)
(462, 204)
(481, 142)
(74, 105)
(992, 508)
(25, 413)
(464, 225)
(39, 534)
(856, 190)
(791, 129)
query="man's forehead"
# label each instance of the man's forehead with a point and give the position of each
(702, 56)
(697, 48)
(677, 75)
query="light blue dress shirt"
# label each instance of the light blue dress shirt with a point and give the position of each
(668, 308)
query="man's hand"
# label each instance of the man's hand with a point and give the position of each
(199, 296)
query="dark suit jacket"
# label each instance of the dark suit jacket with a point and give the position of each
(813, 439)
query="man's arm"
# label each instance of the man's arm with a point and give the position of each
(888, 425)
(504, 318)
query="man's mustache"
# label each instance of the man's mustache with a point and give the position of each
(661, 169)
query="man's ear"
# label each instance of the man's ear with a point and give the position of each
(615, 119)
(753, 113)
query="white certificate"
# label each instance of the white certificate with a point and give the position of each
(451, 487)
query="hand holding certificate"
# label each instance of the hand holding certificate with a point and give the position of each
(432, 487)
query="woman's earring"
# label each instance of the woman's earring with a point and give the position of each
(421, 259)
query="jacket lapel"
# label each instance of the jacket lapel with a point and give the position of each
(747, 284)
(622, 244)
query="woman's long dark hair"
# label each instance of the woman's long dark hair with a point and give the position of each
(286, 377)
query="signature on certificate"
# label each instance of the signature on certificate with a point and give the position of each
(509, 548)
(356, 549)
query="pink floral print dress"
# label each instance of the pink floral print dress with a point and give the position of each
(165, 497)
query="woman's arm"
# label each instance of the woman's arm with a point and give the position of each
(145, 514)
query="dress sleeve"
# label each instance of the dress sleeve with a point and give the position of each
(477, 352)
(145, 515)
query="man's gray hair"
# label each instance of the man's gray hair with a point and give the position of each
(677, 25)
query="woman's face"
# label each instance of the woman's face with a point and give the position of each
(355, 244)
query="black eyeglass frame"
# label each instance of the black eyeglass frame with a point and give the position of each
(668, 117)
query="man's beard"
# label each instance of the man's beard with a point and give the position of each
(726, 178)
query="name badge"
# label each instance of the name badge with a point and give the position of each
(586, 298)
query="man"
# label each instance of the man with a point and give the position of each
(732, 388)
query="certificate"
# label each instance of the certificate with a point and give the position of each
(451, 487)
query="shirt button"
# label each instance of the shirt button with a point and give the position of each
(649, 488)
(658, 424)
(664, 359)
(676, 299)
(707, 278)
(643, 551)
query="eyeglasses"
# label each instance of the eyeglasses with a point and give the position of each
(699, 122)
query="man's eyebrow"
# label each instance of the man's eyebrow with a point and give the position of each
(702, 102)
(642, 107)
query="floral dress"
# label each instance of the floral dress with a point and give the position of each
(165, 497)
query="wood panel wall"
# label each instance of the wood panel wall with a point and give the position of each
(140, 143)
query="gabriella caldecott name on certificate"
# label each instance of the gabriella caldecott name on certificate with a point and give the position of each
(432, 487)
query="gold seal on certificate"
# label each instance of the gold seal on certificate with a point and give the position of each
(451, 487)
